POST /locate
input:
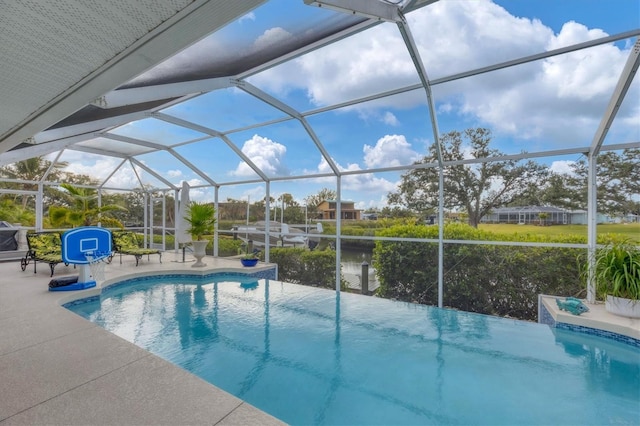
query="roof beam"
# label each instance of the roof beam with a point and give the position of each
(96, 151)
(136, 95)
(626, 77)
(38, 150)
(381, 11)
(538, 56)
(202, 129)
(151, 172)
(160, 147)
(188, 25)
(89, 126)
(265, 97)
(134, 141)
(191, 166)
(106, 179)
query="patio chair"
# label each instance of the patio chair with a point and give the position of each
(128, 243)
(43, 247)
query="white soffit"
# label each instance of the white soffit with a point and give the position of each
(58, 56)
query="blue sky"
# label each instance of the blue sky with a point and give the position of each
(551, 104)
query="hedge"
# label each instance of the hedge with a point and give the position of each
(302, 266)
(489, 279)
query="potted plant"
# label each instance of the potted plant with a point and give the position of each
(249, 258)
(617, 272)
(201, 219)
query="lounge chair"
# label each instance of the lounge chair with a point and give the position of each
(127, 242)
(43, 247)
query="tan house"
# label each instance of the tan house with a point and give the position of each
(327, 210)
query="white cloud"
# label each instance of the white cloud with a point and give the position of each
(270, 37)
(266, 154)
(390, 119)
(559, 99)
(248, 17)
(390, 151)
(174, 173)
(363, 183)
(562, 167)
(100, 167)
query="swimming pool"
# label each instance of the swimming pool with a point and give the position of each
(307, 356)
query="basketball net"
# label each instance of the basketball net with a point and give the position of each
(96, 265)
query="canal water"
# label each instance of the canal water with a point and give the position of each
(351, 261)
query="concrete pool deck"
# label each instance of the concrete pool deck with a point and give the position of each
(58, 368)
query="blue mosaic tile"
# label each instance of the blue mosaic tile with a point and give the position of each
(546, 318)
(81, 301)
(600, 333)
(269, 274)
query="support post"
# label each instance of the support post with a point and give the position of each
(364, 278)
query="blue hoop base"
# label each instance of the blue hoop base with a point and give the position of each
(76, 286)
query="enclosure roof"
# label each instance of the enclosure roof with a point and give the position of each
(77, 76)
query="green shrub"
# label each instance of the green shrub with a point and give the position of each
(302, 266)
(228, 246)
(490, 279)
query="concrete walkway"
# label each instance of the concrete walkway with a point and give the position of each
(58, 368)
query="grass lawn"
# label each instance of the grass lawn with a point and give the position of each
(630, 230)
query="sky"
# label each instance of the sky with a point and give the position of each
(550, 104)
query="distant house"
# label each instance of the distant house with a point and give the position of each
(529, 214)
(579, 217)
(327, 210)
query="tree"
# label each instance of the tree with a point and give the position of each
(617, 181)
(84, 211)
(31, 170)
(395, 212)
(561, 191)
(474, 188)
(543, 216)
(313, 201)
(293, 213)
(12, 213)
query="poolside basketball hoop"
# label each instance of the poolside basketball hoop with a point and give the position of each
(88, 247)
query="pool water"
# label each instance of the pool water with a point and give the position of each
(308, 356)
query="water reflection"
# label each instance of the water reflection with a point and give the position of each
(608, 367)
(310, 356)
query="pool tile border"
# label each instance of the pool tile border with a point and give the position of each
(268, 274)
(545, 317)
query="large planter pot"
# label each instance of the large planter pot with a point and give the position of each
(199, 251)
(623, 307)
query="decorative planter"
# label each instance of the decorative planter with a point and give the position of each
(623, 307)
(249, 262)
(199, 251)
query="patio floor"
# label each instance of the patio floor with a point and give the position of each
(58, 368)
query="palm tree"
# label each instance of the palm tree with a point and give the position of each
(85, 211)
(32, 169)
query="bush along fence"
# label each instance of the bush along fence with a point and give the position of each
(488, 279)
(302, 266)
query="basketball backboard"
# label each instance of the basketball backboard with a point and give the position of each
(79, 245)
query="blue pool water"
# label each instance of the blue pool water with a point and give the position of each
(307, 356)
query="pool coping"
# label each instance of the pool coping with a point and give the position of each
(266, 271)
(597, 321)
(59, 368)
